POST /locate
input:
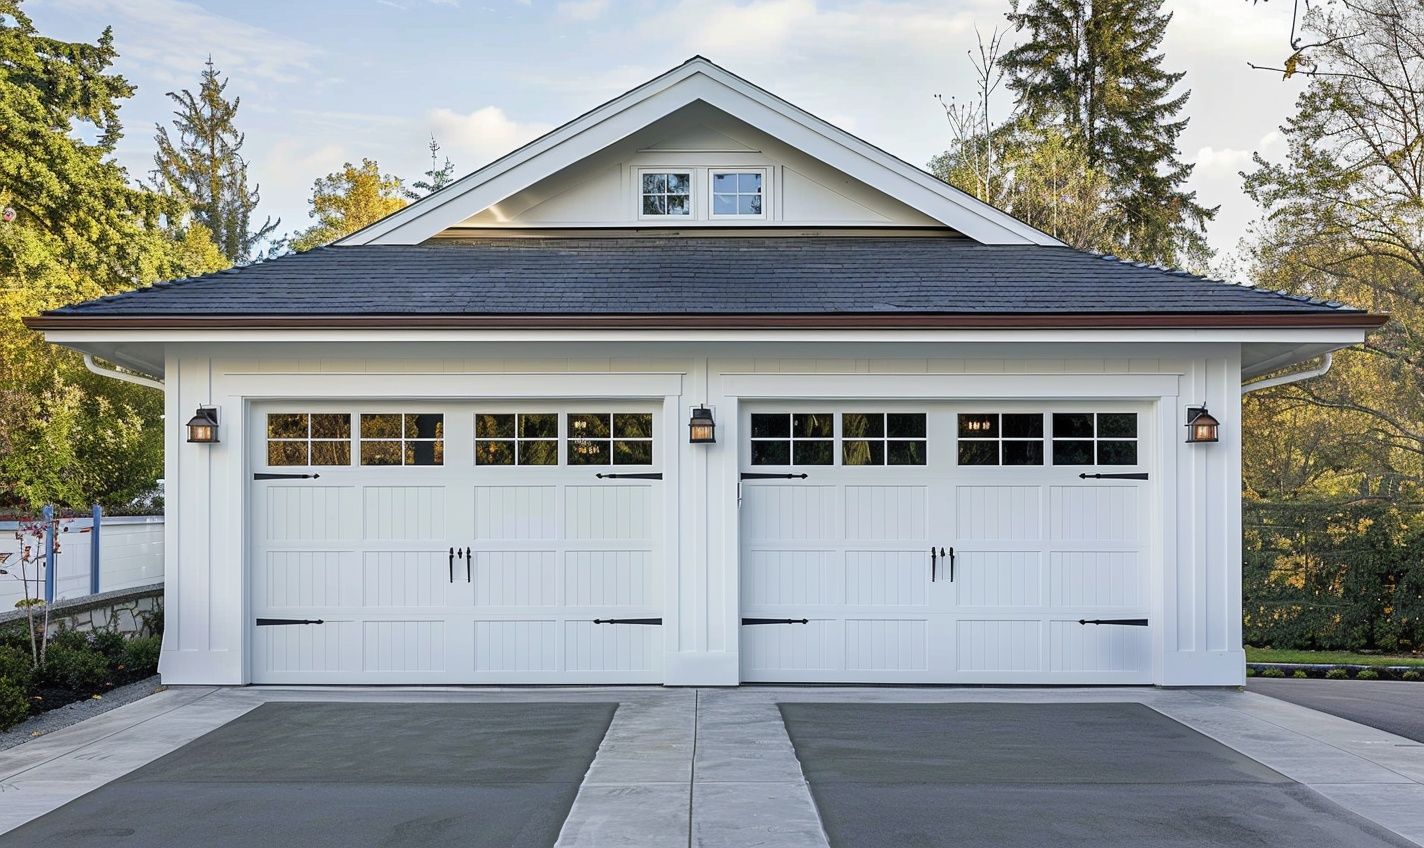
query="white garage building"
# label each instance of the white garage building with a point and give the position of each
(455, 447)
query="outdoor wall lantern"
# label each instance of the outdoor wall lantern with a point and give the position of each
(701, 429)
(1201, 426)
(203, 427)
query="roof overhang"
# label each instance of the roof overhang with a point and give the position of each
(697, 80)
(843, 321)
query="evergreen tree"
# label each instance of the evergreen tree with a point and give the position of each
(436, 178)
(347, 200)
(1093, 68)
(204, 166)
(74, 228)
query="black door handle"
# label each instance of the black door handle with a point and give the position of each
(951, 562)
(452, 565)
(468, 556)
(932, 563)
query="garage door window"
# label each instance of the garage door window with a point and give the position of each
(517, 438)
(992, 438)
(302, 438)
(793, 438)
(402, 439)
(1094, 438)
(882, 438)
(616, 438)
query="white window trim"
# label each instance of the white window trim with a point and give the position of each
(765, 193)
(692, 200)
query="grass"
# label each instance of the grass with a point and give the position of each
(1272, 655)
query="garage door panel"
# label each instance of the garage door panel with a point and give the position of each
(406, 579)
(792, 577)
(1098, 512)
(416, 647)
(1098, 648)
(311, 514)
(516, 512)
(612, 512)
(998, 512)
(523, 645)
(403, 513)
(514, 578)
(775, 513)
(315, 579)
(610, 647)
(1083, 579)
(787, 651)
(998, 578)
(886, 644)
(885, 578)
(890, 513)
(332, 647)
(613, 578)
(991, 645)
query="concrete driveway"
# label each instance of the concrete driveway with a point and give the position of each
(717, 767)
(1394, 706)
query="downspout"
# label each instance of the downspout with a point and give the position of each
(1287, 379)
(115, 374)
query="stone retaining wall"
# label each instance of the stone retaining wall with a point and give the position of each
(132, 612)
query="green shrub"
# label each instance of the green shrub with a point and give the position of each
(82, 669)
(14, 704)
(1367, 674)
(1272, 672)
(72, 640)
(1337, 674)
(1299, 674)
(141, 654)
(110, 643)
(1250, 672)
(1413, 675)
(16, 664)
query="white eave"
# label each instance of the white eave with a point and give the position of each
(693, 81)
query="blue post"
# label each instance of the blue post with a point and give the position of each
(49, 554)
(98, 514)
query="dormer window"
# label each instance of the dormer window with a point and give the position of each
(666, 194)
(738, 194)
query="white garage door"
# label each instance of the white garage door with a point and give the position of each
(969, 543)
(455, 543)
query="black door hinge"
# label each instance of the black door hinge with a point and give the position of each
(268, 475)
(648, 621)
(651, 475)
(756, 475)
(1125, 622)
(1140, 475)
(750, 621)
(274, 622)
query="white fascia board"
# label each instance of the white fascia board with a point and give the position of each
(697, 80)
(1315, 338)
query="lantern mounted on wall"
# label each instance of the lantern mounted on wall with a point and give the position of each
(701, 428)
(203, 427)
(1201, 426)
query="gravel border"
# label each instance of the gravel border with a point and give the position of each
(48, 722)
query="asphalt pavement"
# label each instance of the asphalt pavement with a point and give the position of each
(1394, 706)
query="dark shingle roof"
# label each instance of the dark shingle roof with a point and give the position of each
(696, 275)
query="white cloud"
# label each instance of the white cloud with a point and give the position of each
(582, 10)
(483, 134)
(1221, 163)
(173, 38)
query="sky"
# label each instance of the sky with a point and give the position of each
(328, 81)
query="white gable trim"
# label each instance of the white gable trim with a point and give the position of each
(697, 80)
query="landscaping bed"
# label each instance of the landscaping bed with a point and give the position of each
(77, 666)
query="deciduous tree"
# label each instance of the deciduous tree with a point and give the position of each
(347, 200)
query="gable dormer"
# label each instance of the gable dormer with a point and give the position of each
(698, 148)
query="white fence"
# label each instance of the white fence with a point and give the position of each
(130, 554)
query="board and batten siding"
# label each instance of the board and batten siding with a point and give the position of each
(1194, 550)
